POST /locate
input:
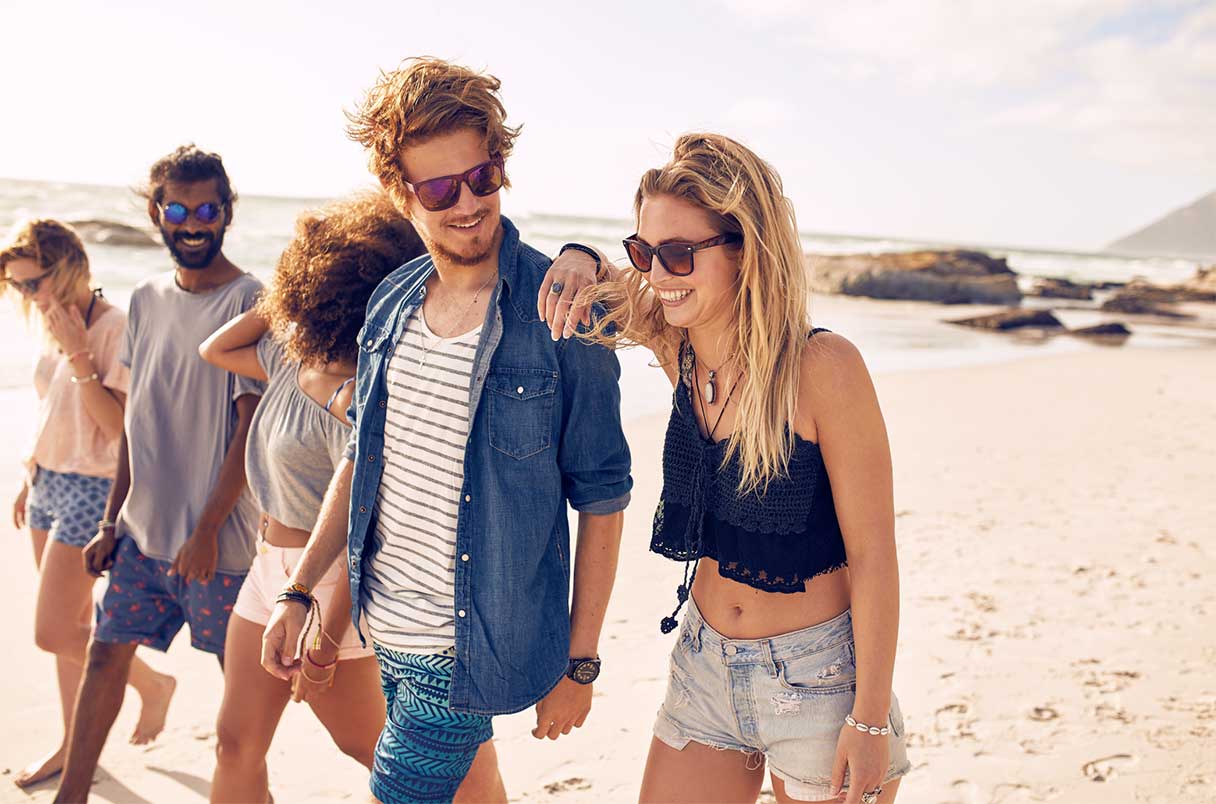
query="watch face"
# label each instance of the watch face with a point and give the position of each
(586, 671)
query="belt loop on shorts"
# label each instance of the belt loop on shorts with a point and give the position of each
(696, 636)
(766, 650)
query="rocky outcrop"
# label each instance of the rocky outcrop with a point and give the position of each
(1013, 318)
(1202, 284)
(1113, 329)
(1053, 288)
(112, 233)
(1143, 299)
(948, 277)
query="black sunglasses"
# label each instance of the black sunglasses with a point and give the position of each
(28, 287)
(676, 258)
(442, 192)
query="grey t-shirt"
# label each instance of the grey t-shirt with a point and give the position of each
(294, 444)
(180, 418)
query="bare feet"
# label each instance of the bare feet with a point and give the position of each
(153, 710)
(40, 769)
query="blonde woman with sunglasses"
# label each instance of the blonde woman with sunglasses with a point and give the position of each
(70, 466)
(777, 497)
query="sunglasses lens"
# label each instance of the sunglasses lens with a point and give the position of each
(438, 194)
(207, 213)
(639, 255)
(676, 258)
(176, 214)
(486, 179)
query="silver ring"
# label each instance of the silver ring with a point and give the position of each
(871, 796)
(556, 287)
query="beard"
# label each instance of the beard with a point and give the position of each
(194, 263)
(477, 252)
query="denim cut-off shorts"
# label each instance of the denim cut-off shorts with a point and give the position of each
(785, 697)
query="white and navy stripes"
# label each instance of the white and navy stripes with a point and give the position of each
(408, 594)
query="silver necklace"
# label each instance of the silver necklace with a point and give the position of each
(710, 390)
(426, 351)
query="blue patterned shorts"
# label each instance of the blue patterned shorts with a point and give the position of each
(426, 749)
(67, 504)
(144, 605)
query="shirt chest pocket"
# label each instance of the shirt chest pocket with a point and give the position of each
(520, 410)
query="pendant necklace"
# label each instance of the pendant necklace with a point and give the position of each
(709, 391)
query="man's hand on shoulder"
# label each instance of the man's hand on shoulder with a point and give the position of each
(572, 271)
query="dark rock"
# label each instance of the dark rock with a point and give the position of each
(1013, 318)
(1053, 288)
(1111, 329)
(112, 233)
(1202, 286)
(947, 277)
(1137, 301)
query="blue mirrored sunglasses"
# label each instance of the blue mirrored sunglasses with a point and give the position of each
(177, 214)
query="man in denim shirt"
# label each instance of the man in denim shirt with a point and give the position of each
(473, 428)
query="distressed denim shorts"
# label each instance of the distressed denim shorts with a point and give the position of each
(785, 697)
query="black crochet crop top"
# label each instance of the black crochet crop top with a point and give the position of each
(773, 542)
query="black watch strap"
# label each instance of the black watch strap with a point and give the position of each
(583, 671)
(590, 252)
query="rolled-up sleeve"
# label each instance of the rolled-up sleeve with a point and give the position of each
(593, 457)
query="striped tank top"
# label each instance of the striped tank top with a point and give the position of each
(409, 593)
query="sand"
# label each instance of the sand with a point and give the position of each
(1055, 526)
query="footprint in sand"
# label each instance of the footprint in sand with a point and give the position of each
(1105, 768)
(953, 722)
(566, 785)
(1043, 713)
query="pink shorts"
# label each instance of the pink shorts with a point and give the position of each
(272, 566)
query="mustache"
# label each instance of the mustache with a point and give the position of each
(207, 236)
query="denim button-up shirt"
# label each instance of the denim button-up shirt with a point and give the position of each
(544, 429)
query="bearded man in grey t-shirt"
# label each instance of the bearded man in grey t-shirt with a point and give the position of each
(179, 530)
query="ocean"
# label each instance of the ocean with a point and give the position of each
(893, 336)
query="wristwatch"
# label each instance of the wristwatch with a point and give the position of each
(583, 671)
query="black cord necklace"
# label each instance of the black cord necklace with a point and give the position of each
(701, 399)
(693, 547)
(88, 315)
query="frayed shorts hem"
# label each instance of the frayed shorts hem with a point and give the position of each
(818, 791)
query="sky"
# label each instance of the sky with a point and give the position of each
(1042, 123)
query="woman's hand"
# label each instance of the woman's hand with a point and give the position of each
(66, 326)
(866, 757)
(281, 637)
(312, 680)
(19, 505)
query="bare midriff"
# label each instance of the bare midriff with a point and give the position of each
(738, 611)
(275, 532)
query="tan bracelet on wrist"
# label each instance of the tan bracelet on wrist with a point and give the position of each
(87, 378)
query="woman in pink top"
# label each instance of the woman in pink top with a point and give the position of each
(81, 389)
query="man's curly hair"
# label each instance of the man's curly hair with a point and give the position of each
(325, 277)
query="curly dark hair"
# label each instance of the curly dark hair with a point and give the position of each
(186, 165)
(326, 275)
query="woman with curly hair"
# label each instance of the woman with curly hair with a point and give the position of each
(302, 339)
(82, 388)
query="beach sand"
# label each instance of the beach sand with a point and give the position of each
(1055, 524)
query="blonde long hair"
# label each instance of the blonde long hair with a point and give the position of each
(56, 249)
(743, 193)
